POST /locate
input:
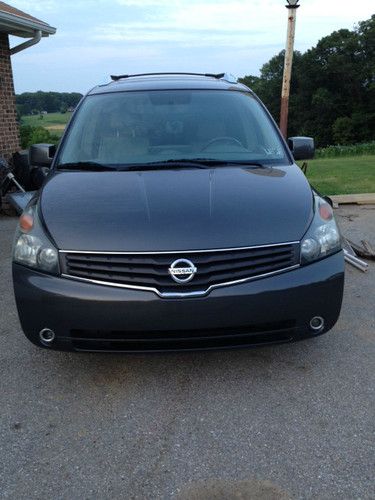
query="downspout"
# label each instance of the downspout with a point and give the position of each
(36, 38)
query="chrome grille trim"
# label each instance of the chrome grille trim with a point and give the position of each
(180, 295)
(172, 252)
(199, 290)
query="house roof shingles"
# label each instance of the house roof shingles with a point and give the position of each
(16, 22)
(4, 7)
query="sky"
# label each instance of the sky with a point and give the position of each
(97, 38)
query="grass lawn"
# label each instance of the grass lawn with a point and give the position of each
(53, 122)
(352, 175)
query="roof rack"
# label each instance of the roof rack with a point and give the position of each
(218, 76)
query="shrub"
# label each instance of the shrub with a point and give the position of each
(367, 148)
(33, 135)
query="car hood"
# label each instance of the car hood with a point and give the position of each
(177, 209)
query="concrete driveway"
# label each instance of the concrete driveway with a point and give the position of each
(290, 421)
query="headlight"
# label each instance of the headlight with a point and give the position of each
(32, 247)
(323, 236)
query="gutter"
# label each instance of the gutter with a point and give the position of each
(22, 24)
(33, 41)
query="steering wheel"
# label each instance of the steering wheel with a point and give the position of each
(222, 139)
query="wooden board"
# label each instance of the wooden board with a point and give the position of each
(359, 199)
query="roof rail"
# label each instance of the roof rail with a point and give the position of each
(115, 78)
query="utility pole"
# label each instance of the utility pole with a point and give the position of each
(288, 61)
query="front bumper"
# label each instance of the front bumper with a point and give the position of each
(90, 317)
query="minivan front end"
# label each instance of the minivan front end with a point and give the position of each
(175, 219)
(84, 316)
(162, 301)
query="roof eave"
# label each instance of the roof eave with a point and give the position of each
(22, 27)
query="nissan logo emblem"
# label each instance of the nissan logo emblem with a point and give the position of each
(182, 270)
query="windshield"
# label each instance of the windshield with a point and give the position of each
(134, 128)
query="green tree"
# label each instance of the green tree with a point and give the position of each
(52, 102)
(343, 130)
(333, 87)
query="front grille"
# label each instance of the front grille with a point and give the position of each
(150, 270)
(218, 338)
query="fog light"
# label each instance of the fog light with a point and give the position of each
(46, 336)
(317, 324)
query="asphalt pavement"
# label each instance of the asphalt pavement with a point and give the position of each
(288, 421)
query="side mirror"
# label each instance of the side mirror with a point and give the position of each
(38, 176)
(302, 148)
(41, 155)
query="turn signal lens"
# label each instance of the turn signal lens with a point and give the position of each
(26, 222)
(325, 211)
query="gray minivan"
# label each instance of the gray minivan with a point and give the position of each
(174, 217)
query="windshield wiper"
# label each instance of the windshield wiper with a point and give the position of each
(92, 166)
(157, 165)
(187, 163)
(229, 163)
(166, 164)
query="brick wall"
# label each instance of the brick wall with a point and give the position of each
(9, 133)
